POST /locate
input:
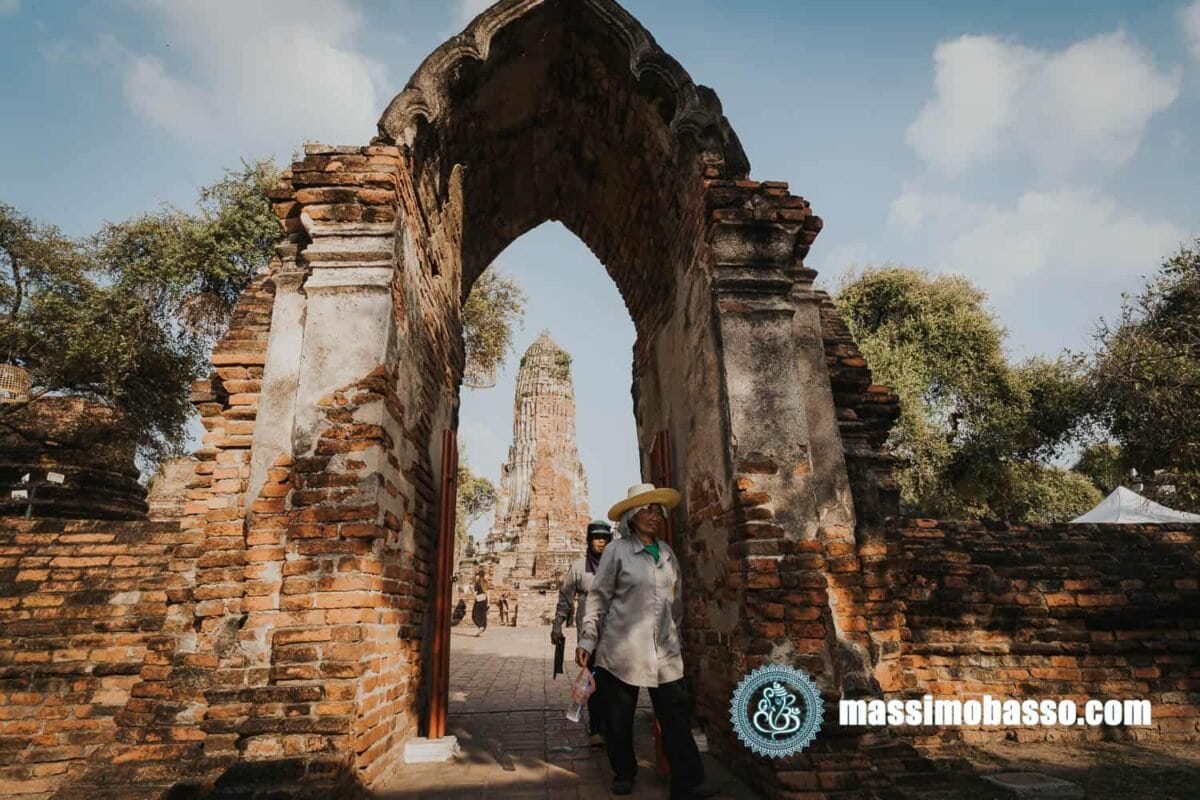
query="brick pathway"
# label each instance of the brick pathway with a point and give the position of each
(508, 715)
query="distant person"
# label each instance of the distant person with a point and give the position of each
(479, 611)
(502, 607)
(637, 594)
(571, 605)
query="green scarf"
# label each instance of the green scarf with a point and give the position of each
(652, 549)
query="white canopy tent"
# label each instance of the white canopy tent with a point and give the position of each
(1127, 507)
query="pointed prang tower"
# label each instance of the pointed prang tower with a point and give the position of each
(542, 510)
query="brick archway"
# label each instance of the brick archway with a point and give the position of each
(307, 638)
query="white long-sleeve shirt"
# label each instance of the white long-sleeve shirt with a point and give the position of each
(641, 605)
(572, 595)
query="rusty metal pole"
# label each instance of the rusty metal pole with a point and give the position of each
(661, 477)
(447, 505)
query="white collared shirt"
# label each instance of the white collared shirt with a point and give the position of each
(641, 604)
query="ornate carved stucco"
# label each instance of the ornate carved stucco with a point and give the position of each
(697, 111)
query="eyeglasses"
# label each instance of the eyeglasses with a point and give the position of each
(655, 510)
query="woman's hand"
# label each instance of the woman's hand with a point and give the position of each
(581, 657)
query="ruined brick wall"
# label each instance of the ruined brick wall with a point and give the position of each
(342, 532)
(775, 574)
(83, 611)
(1046, 611)
(303, 651)
(168, 489)
(866, 412)
(83, 441)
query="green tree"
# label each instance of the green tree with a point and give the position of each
(495, 305)
(1033, 492)
(1105, 465)
(973, 431)
(475, 497)
(1147, 380)
(127, 317)
(191, 267)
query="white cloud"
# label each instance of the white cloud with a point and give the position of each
(1190, 17)
(1068, 232)
(9, 7)
(1083, 105)
(262, 76)
(977, 79)
(917, 207)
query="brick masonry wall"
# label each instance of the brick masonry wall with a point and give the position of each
(1047, 611)
(304, 644)
(82, 606)
(91, 449)
(866, 412)
(335, 557)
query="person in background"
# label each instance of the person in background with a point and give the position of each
(479, 611)
(637, 593)
(502, 606)
(571, 604)
(460, 610)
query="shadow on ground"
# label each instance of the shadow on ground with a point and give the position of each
(1110, 770)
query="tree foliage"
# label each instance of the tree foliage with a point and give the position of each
(476, 496)
(126, 317)
(1147, 380)
(495, 305)
(974, 431)
(1105, 465)
(1033, 492)
(192, 267)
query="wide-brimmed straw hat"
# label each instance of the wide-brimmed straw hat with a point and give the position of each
(644, 494)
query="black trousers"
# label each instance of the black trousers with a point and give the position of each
(672, 707)
(596, 708)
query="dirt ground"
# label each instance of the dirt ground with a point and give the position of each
(1104, 770)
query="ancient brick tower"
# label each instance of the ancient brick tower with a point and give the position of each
(542, 511)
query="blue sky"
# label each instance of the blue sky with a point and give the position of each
(1046, 150)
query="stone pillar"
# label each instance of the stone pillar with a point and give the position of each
(849, 637)
(831, 483)
(281, 373)
(791, 549)
(797, 513)
(347, 330)
(769, 434)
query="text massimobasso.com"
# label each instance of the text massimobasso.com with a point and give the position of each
(993, 711)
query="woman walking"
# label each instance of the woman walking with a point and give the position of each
(479, 611)
(637, 592)
(571, 603)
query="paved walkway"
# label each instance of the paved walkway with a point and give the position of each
(509, 716)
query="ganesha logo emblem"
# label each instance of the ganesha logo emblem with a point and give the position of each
(776, 710)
